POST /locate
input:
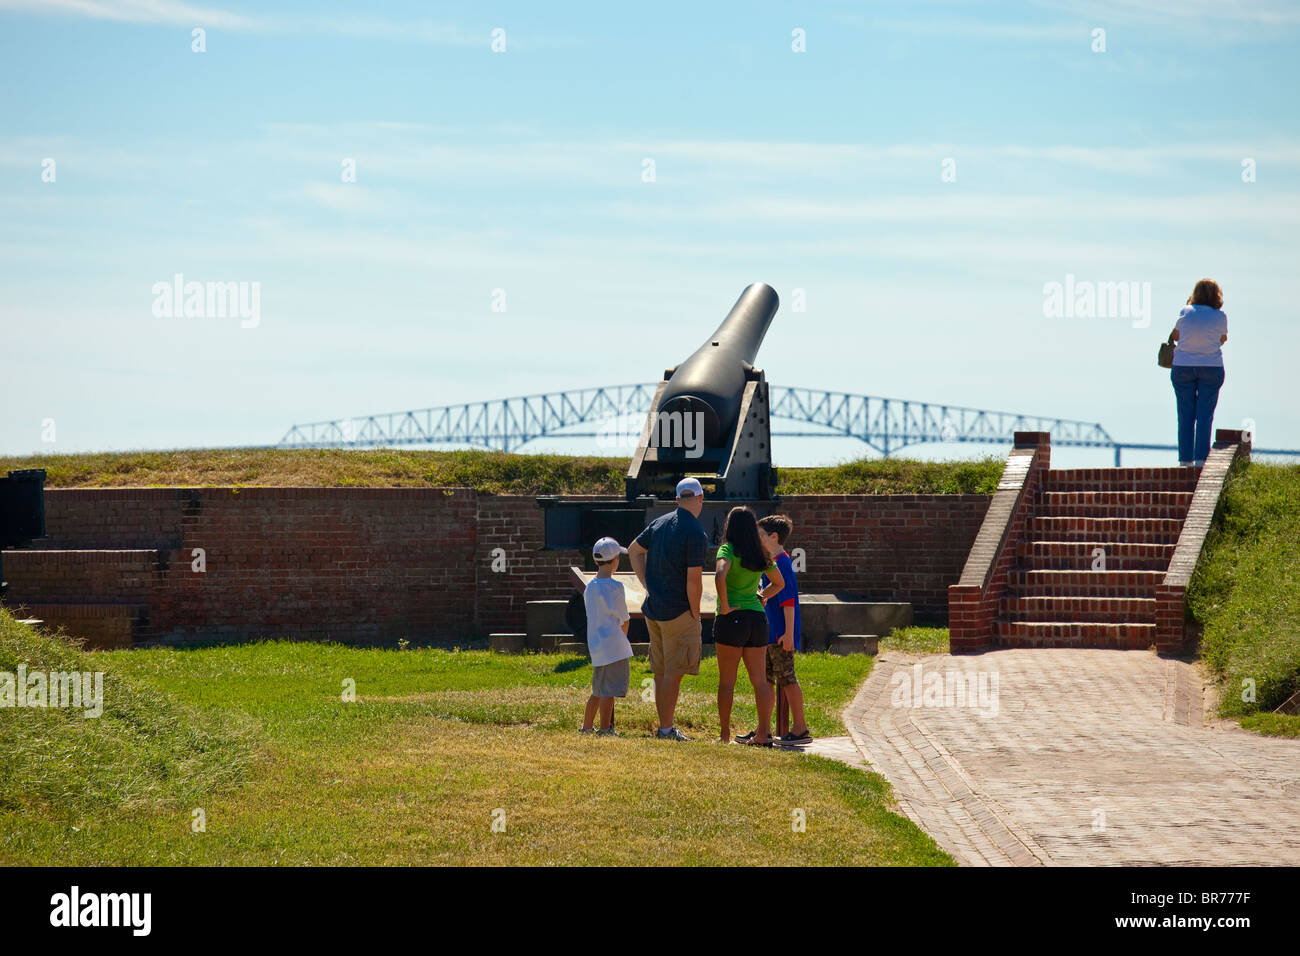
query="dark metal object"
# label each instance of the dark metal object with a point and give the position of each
(711, 416)
(22, 510)
(712, 381)
(710, 419)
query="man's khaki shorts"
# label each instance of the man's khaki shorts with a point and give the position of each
(674, 646)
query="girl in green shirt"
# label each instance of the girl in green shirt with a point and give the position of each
(740, 627)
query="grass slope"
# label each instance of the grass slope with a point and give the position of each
(144, 749)
(412, 772)
(494, 472)
(1246, 593)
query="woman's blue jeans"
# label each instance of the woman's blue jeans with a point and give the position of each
(1196, 387)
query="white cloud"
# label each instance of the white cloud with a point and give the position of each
(137, 11)
(1236, 208)
(1262, 12)
(613, 162)
(175, 13)
(344, 197)
(978, 28)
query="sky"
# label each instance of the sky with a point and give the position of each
(445, 203)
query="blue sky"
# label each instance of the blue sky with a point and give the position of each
(522, 171)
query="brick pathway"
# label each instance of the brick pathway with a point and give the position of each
(1090, 757)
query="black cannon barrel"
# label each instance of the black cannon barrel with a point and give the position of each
(712, 380)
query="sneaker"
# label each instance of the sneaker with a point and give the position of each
(795, 740)
(741, 738)
(672, 733)
(607, 732)
(586, 730)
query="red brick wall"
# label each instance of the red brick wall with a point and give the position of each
(112, 518)
(67, 577)
(353, 565)
(973, 599)
(1171, 595)
(885, 547)
(376, 565)
(514, 524)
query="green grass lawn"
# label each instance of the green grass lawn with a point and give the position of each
(917, 640)
(495, 472)
(1246, 594)
(286, 772)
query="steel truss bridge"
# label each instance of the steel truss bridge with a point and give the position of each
(885, 424)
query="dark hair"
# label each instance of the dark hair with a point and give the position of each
(1207, 292)
(780, 525)
(741, 531)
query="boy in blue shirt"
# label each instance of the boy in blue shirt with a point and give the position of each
(783, 630)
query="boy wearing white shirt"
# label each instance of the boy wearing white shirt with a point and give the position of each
(607, 643)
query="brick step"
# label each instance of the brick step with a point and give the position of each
(1118, 530)
(1077, 555)
(1120, 479)
(1113, 504)
(64, 575)
(1064, 608)
(101, 627)
(1104, 584)
(1073, 634)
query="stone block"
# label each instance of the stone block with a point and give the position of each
(542, 618)
(845, 644)
(507, 643)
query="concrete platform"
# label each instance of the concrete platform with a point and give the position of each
(843, 614)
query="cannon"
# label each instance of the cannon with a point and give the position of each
(22, 511)
(709, 419)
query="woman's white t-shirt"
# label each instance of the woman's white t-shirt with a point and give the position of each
(1199, 330)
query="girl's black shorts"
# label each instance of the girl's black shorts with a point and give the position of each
(741, 628)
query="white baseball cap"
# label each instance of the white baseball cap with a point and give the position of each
(688, 487)
(607, 549)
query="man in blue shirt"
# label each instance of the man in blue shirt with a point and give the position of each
(668, 558)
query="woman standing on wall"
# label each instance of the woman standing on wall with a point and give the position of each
(1197, 373)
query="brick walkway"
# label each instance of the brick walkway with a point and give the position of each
(1091, 757)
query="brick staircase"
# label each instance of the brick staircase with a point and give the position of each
(1097, 557)
(1097, 544)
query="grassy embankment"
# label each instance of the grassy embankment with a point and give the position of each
(1246, 594)
(285, 771)
(494, 472)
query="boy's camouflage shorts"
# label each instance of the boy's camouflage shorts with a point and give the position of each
(780, 666)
